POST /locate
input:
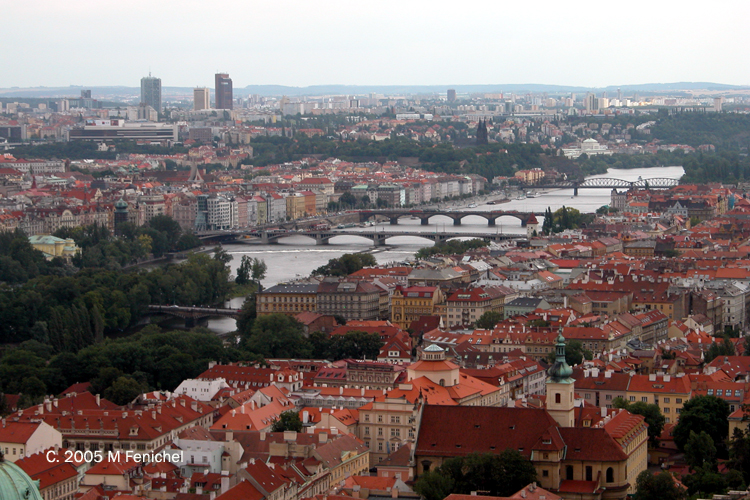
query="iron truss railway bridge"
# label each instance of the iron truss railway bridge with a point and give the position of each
(324, 237)
(609, 183)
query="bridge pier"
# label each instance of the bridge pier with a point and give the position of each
(491, 222)
(425, 222)
(575, 191)
(320, 240)
(379, 241)
(190, 322)
(394, 221)
(456, 222)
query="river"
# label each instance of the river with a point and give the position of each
(298, 256)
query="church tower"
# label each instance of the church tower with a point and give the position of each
(532, 226)
(561, 387)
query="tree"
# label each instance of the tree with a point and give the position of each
(277, 336)
(739, 452)
(346, 264)
(703, 413)
(243, 271)
(489, 319)
(574, 353)
(123, 390)
(660, 486)
(495, 474)
(287, 421)
(700, 451)
(259, 269)
(354, 344)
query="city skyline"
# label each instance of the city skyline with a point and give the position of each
(586, 44)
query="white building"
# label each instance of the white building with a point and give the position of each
(201, 390)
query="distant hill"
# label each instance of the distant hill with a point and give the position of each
(123, 93)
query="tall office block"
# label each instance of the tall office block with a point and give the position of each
(151, 91)
(201, 98)
(223, 91)
(451, 95)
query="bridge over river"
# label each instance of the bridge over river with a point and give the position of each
(193, 314)
(424, 215)
(607, 183)
(324, 237)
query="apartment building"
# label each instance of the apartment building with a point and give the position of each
(288, 299)
(353, 300)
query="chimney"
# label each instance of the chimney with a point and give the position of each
(242, 409)
(604, 411)
(322, 437)
(228, 436)
(305, 417)
(98, 400)
(194, 405)
(262, 436)
(199, 490)
(153, 414)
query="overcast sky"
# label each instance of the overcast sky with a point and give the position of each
(377, 42)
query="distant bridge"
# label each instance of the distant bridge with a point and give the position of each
(608, 183)
(324, 237)
(192, 315)
(424, 215)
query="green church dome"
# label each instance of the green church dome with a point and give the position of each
(561, 370)
(15, 484)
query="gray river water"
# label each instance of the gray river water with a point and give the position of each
(297, 256)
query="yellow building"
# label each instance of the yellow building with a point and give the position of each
(288, 299)
(668, 392)
(295, 206)
(52, 246)
(410, 303)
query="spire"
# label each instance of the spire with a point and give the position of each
(561, 370)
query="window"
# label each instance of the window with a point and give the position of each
(644, 399)
(569, 472)
(632, 398)
(545, 473)
(589, 473)
(678, 401)
(610, 475)
(666, 400)
(666, 410)
(608, 397)
(719, 392)
(557, 397)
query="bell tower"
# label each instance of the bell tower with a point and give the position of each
(561, 387)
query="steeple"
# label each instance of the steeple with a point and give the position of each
(561, 371)
(561, 387)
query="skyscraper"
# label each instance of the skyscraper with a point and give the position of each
(151, 92)
(201, 98)
(451, 95)
(223, 91)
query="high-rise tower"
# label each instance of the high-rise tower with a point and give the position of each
(151, 92)
(201, 98)
(223, 91)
